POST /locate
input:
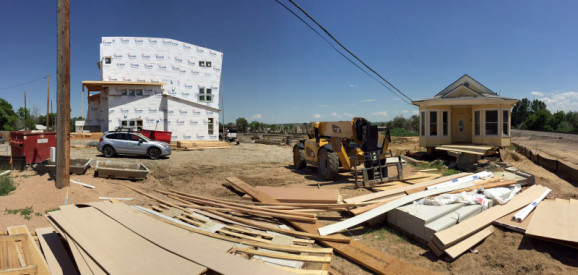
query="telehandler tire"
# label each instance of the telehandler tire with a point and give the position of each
(299, 158)
(328, 164)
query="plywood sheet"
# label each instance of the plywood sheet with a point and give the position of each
(208, 252)
(463, 246)
(556, 221)
(56, 256)
(116, 248)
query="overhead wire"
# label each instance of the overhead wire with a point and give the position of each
(346, 49)
(341, 53)
(22, 84)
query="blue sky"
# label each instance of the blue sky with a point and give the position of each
(275, 69)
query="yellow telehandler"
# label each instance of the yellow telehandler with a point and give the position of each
(347, 144)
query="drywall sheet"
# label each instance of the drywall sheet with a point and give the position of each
(556, 221)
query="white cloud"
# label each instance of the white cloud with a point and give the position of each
(317, 116)
(368, 100)
(405, 111)
(353, 85)
(256, 116)
(415, 112)
(384, 113)
(566, 101)
(537, 93)
(349, 115)
(334, 114)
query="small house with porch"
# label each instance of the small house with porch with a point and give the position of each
(465, 112)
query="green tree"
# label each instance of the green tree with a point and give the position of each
(25, 120)
(537, 105)
(520, 112)
(539, 121)
(414, 122)
(557, 120)
(398, 122)
(8, 117)
(41, 119)
(572, 121)
(242, 124)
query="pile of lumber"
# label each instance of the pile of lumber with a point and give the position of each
(20, 253)
(199, 145)
(114, 238)
(479, 150)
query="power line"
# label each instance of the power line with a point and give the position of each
(22, 84)
(345, 48)
(341, 53)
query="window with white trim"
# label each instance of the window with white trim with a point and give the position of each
(445, 126)
(505, 123)
(211, 126)
(433, 123)
(422, 123)
(209, 95)
(491, 123)
(477, 123)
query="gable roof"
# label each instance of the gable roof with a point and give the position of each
(468, 82)
(464, 90)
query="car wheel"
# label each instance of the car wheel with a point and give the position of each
(108, 151)
(154, 153)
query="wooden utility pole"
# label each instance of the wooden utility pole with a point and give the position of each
(63, 95)
(47, 106)
(25, 114)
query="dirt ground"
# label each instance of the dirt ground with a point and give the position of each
(203, 173)
(560, 146)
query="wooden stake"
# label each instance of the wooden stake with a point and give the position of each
(63, 95)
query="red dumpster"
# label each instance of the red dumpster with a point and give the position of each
(34, 146)
(146, 133)
(161, 136)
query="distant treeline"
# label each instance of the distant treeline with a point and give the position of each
(533, 115)
(11, 120)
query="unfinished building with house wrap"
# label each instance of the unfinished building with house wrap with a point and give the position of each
(165, 84)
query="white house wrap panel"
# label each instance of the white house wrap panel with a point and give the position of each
(187, 103)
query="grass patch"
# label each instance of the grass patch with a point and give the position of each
(436, 164)
(51, 210)
(389, 233)
(6, 186)
(24, 212)
(450, 171)
(402, 132)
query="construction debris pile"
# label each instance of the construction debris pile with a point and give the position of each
(275, 229)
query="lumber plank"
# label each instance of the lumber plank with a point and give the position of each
(448, 237)
(300, 271)
(339, 226)
(458, 249)
(36, 254)
(56, 256)
(117, 249)
(301, 195)
(375, 261)
(284, 256)
(359, 210)
(390, 192)
(246, 242)
(209, 252)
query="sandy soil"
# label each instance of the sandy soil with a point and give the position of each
(204, 172)
(561, 146)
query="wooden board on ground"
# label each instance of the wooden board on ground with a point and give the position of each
(15, 255)
(507, 222)
(208, 252)
(555, 221)
(339, 226)
(463, 246)
(117, 249)
(301, 194)
(35, 252)
(361, 254)
(377, 195)
(59, 262)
